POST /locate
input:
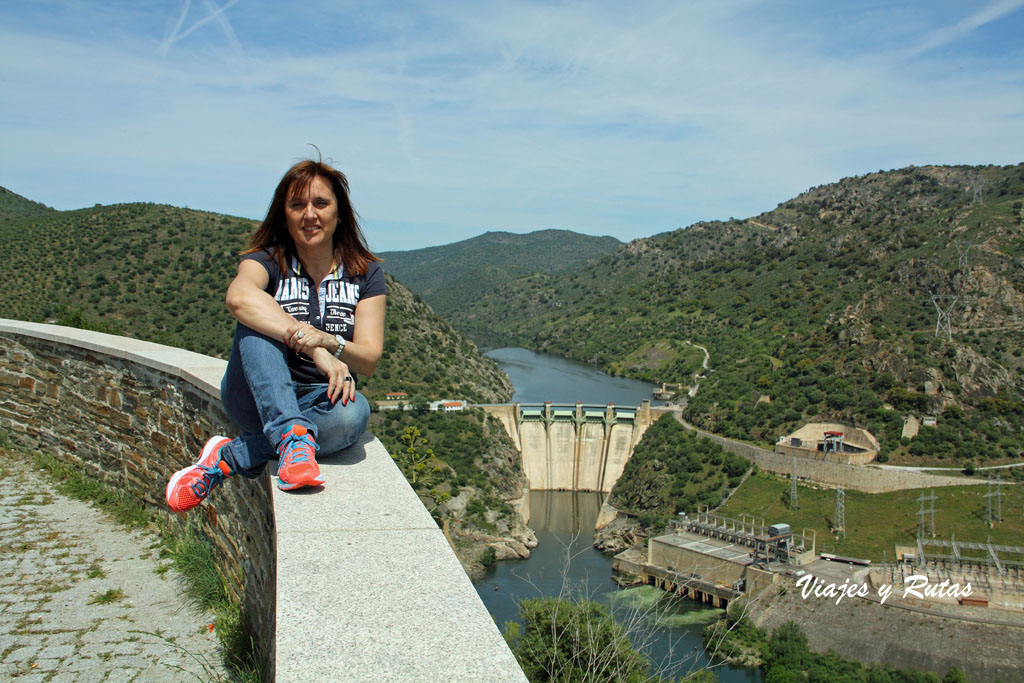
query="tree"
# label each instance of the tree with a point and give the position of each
(955, 675)
(421, 469)
(419, 404)
(573, 640)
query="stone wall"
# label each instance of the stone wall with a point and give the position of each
(131, 426)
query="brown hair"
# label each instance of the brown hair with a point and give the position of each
(349, 244)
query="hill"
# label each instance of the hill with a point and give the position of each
(159, 273)
(448, 275)
(674, 470)
(466, 470)
(13, 205)
(821, 309)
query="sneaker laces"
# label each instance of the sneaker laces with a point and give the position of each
(211, 478)
(291, 446)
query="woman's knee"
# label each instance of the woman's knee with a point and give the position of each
(237, 399)
(355, 415)
(250, 341)
(343, 424)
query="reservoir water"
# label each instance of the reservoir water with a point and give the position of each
(565, 562)
(538, 377)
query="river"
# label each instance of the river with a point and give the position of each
(564, 562)
(538, 377)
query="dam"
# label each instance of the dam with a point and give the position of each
(574, 447)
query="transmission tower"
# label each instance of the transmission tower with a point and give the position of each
(793, 503)
(994, 513)
(945, 320)
(920, 525)
(999, 499)
(840, 512)
(962, 248)
(978, 184)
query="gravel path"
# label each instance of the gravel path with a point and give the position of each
(84, 599)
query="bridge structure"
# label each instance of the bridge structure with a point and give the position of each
(574, 447)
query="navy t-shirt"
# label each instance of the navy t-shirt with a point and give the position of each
(329, 307)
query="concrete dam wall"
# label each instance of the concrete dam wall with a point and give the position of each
(574, 447)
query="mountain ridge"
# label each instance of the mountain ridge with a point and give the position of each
(446, 275)
(13, 204)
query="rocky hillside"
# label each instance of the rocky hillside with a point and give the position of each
(425, 357)
(824, 308)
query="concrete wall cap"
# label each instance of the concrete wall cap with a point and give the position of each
(204, 372)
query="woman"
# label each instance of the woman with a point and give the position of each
(309, 298)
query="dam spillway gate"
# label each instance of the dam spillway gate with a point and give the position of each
(574, 447)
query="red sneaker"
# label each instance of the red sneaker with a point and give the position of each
(298, 466)
(188, 487)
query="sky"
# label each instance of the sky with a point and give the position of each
(454, 118)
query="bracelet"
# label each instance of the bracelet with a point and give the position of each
(341, 346)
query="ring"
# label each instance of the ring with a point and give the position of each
(300, 334)
(347, 379)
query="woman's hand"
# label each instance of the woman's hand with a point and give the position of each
(340, 383)
(304, 338)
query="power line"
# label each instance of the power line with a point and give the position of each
(978, 184)
(962, 249)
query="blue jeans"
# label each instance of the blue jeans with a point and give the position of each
(260, 397)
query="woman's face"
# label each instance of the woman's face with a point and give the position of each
(312, 215)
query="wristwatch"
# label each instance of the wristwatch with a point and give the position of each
(341, 346)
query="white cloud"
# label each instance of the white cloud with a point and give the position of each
(949, 34)
(600, 117)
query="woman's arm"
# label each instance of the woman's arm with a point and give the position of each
(362, 353)
(252, 306)
(367, 344)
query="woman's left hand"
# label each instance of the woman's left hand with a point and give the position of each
(304, 338)
(340, 383)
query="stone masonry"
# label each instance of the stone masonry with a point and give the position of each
(131, 426)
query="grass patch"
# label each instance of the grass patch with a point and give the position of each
(74, 483)
(111, 596)
(51, 585)
(875, 522)
(33, 498)
(206, 587)
(193, 558)
(95, 571)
